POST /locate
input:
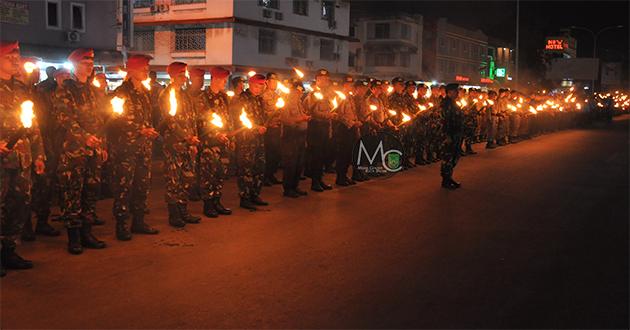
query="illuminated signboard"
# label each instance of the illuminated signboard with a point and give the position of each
(500, 72)
(486, 81)
(556, 44)
(462, 78)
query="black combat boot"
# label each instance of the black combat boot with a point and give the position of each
(187, 217)
(27, 231)
(455, 183)
(257, 201)
(325, 186)
(44, 228)
(316, 186)
(209, 208)
(247, 204)
(174, 217)
(74, 241)
(11, 260)
(447, 183)
(301, 192)
(122, 231)
(491, 145)
(138, 226)
(222, 210)
(87, 238)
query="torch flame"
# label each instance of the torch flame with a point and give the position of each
(244, 120)
(280, 103)
(373, 107)
(122, 73)
(29, 67)
(405, 118)
(430, 105)
(284, 89)
(532, 110)
(539, 108)
(390, 89)
(173, 103)
(251, 73)
(415, 94)
(96, 83)
(230, 93)
(318, 95)
(147, 83)
(216, 120)
(117, 105)
(187, 74)
(579, 106)
(428, 94)
(27, 114)
(341, 95)
(335, 104)
(511, 107)
(490, 102)
(421, 107)
(299, 73)
(392, 112)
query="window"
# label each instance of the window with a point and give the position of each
(351, 60)
(452, 67)
(77, 16)
(327, 50)
(143, 3)
(185, 2)
(404, 32)
(300, 7)
(381, 31)
(443, 66)
(454, 46)
(190, 40)
(266, 41)
(299, 44)
(53, 14)
(272, 4)
(328, 10)
(404, 59)
(442, 45)
(384, 59)
(143, 40)
(465, 49)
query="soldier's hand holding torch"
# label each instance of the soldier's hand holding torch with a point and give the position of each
(149, 132)
(193, 140)
(3, 148)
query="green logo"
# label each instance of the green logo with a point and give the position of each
(393, 160)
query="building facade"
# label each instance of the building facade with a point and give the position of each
(51, 29)
(453, 54)
(500, 62)
(244, 35)
(387, 47)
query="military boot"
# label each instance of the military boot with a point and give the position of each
(122, 231)
(174, 217)
(28, 235)
(87, 238)
(222, 210)
(209, 208)
(44, 228)
(187, 217)
(74, 241)
(11, 260)
(138, 226)
(247, 204)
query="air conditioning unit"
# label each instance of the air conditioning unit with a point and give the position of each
(73, 36)
(279, 16)
(267, 13)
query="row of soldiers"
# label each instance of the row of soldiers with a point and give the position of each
(73, 127)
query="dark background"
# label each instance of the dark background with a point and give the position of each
(539, 19)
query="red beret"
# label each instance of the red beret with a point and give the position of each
(219, 72)
(8, 47)
(175, 68)
(80, 54)
(60, 72)
(138, 61)
(196, 72)
(257, 79)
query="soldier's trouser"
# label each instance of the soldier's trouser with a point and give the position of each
(408, 141)
(503, 128)
(493, 122)
(131, 177)
(179, 174)
(272, 150)
(524, 126)
(293, 149)
(211, 172)
(250, 166)
(79, 182)
(515, 124)
(317, 138)
(15, 194)
(450, 156)
(345, 139)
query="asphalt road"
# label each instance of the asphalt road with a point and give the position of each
(536, 237)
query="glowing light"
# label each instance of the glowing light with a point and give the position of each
(122, 73)
(147, 83)
(284, 89)
(244, 120)
(172, 100)
(415, 94)
(421, 107)
(96, 83)
(390, 89)
(341, 95)
(318, 95)
(405, 118)
(373, 107)
(299, 73)
(29, 67)
(117, 105)
(490, 102)
(216, 120)
(230, 93)
(27, 114)
(251, 73)
(532, 110)
(280, 103)
(392, 112)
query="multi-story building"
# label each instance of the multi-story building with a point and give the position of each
(51, 29)
(387, 47)
(244, 35)
(452, 53)
(500, 68)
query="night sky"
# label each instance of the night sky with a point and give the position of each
(539, 19)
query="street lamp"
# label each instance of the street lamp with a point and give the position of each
(595, 36)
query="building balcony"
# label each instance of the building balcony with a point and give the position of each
(392, 44)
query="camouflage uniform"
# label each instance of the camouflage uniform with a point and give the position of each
(179, 154)
(15, 169)
(346, 135)
(503, 125)
(250, 152)
(470, 123)
(293, 142)
(77, 113)
(319, 132)
(273, 133)
(131, 152)
(492, 120)
(452, 126)
(422, 132)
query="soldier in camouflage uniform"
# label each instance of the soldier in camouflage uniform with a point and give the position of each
(503, 125)
(453, 123)
(422, 126)
(492, 119)
(346, 132)
(131, 140)
(179, 130)
(77, 114)
(274, 130)
(15, 160)
(214, 141)
(471, 111)
(362, 108)
(250, 151)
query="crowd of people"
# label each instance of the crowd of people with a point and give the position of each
(66, 137)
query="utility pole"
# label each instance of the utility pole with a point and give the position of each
(518, 15)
